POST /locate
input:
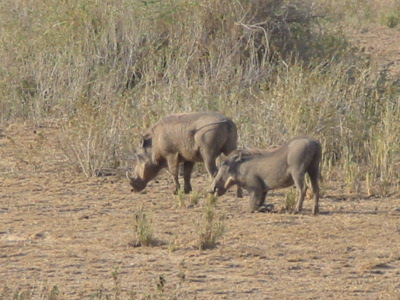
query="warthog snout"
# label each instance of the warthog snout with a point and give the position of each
(137, 183)
(215, 191)
(217, 188)
(220, 191)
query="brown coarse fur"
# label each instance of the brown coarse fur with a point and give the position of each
(183, 138)
(259, 171)
(250, 151)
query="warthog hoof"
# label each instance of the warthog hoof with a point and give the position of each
(265, 208)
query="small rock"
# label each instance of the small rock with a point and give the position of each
(42, 235)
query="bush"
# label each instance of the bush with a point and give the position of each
(211, 227)
(108, 71)
(142, 229)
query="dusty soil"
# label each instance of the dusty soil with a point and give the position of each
(382, 45)
(57, 229)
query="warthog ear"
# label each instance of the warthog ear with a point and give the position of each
(237, 158)
(146, 141)
(140, 158)
(229, 182)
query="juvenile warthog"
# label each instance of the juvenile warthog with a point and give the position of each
(259, 173)
(183, 138)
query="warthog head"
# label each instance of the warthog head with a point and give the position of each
(226, 176)
(145, 168)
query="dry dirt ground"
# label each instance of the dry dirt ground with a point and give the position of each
(382, 44)
(75, 234)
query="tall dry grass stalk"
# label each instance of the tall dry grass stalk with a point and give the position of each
(109, 69)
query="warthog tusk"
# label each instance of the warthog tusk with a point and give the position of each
(229, 182)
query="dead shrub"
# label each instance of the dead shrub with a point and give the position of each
(143, 234)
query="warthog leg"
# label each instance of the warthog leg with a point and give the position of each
(209, 157)
(239, 192)
(211, 167)
(316, 197)
(256, 201)
(313, 172)
(187, 173)
(298, 179)
(173, 167)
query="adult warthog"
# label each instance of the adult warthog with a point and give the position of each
(261, 171)
(183, 138)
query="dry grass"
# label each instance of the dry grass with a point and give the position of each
(290, 200)
(143, 232)
(211, 226)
